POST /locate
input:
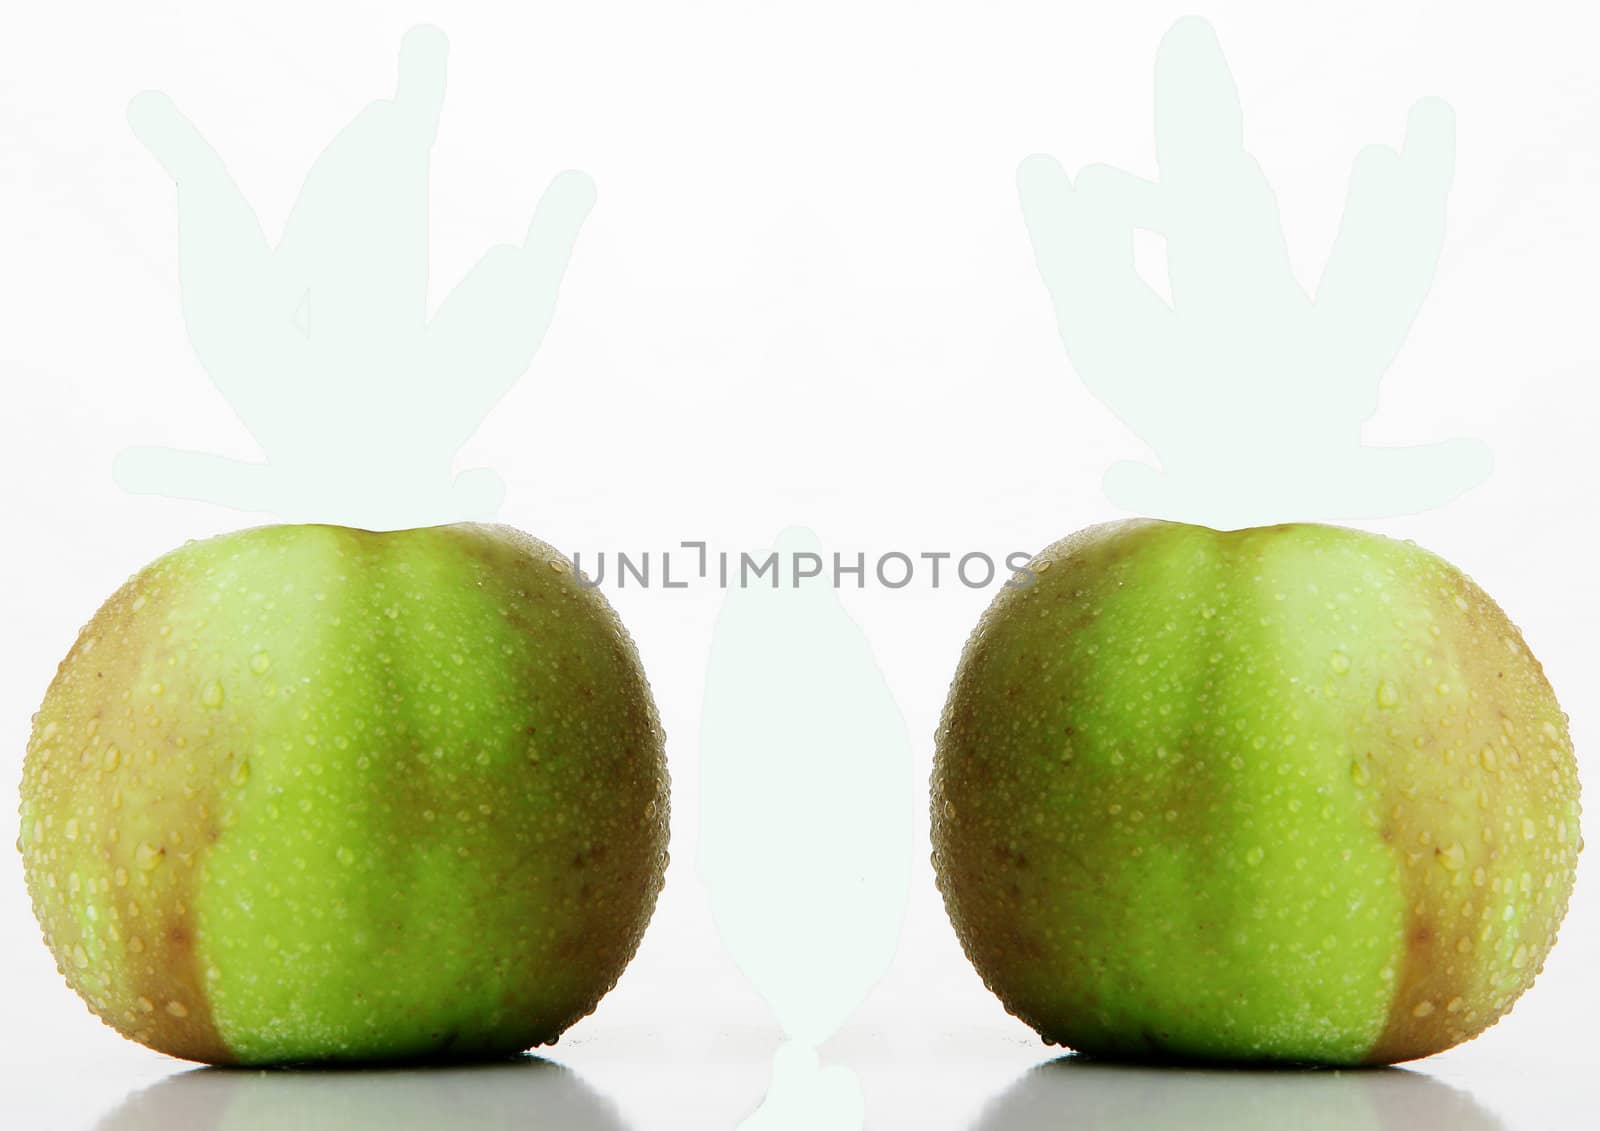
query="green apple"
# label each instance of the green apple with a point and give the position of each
(310, 793)
(1296, 793)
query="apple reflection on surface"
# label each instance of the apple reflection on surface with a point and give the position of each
(1076, 1093)
(529, 1094)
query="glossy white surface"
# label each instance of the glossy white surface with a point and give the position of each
(981, 1081)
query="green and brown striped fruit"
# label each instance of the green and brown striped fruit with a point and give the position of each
(309, 793)
(1296, 793)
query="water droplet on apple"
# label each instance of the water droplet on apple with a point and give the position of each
(211, 696)
(1388, 693)
(260, 662)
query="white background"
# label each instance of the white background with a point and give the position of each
(805, 296)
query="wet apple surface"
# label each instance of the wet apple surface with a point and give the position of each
(311, 793)
(1292, 793)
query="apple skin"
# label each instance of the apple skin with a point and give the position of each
(311, 793)
(1294, 793)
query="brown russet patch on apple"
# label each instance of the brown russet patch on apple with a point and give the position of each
(1450, 982)
(114, 898)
